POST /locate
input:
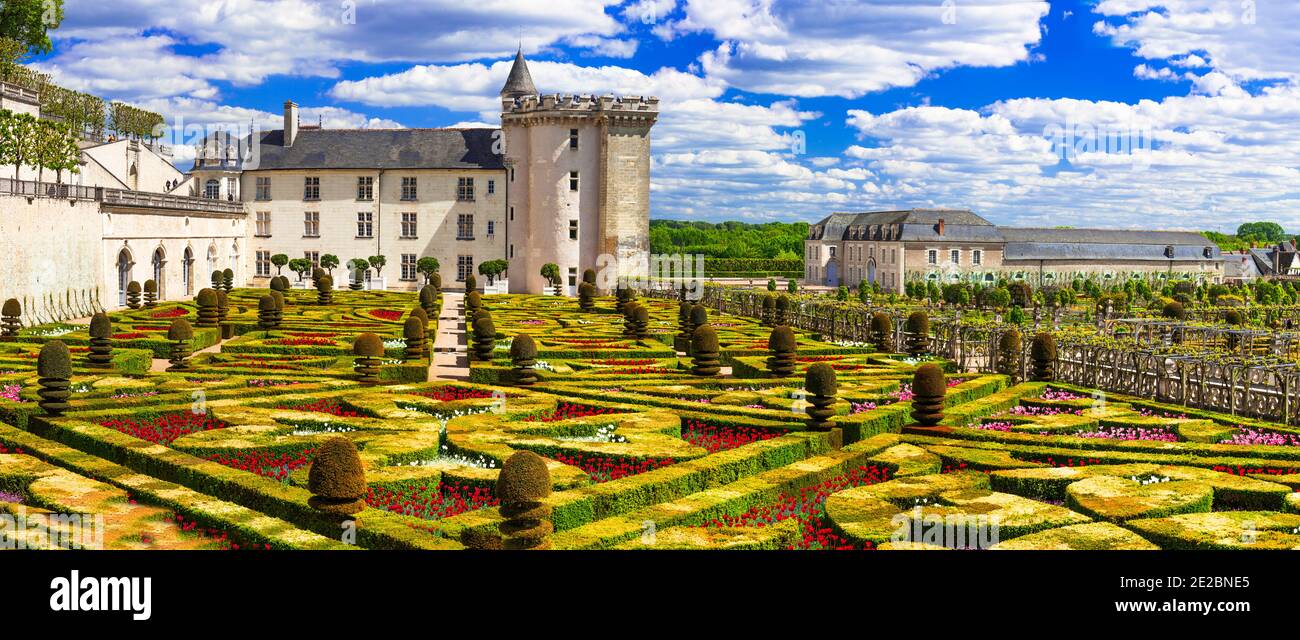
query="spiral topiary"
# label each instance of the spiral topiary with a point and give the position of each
(428, 299)
(705, 355)
(918, 333)
(523, 355)
(640, 322)
(768, 315)
(622, 296)
(820, 385)
(682, 341)
(150, 294)
(471, 282)
(279, 305)
(427, 347)
(782, 345)
(413, 334)
(206, 300)
(101, 343)
(223, 313)
(54, 366)
(435, 281)
(9, 319)
(133, 294)
(227, 280)
(882, 332)
(325, 290)
(522, 486)
(1042, 353)
(781, 310)
(589, 276)
(587, 296)
(473, 302)
(180, 333)
(1174, 311)
(336, 479)
(367, 352)
(266, 319)
(216, 279)
(629, 330)
(929, 386)
(485, 336)
(1009, 350)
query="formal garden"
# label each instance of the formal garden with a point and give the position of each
(287, 418)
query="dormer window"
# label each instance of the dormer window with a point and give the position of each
(1169, 251)
(1209, 252)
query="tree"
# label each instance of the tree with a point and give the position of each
(428, 265)
(18, 135)
(492, 269)
(378, 263)
(28, 22)
(1262, 232)
(300, 266)
(279, 260)
(329, 262)
(551, 272)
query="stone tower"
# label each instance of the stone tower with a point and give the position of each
(578, 183)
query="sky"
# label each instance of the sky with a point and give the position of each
(1174, 114)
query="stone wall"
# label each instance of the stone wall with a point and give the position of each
(52, 254)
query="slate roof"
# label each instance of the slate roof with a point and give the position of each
(381, 149)
(520, 82)
(1106, 244)
(914, 225)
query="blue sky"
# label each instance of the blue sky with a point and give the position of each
(780, 110)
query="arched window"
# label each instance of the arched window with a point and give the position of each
(187, 272)
(124, 264)
(234, 259)
(159, 259)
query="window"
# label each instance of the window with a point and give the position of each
(263, 264)
(512, 174)
(573, 181)
(512, 252)
(573, 138)
(365, 224)
(464, 267)
(831, 253)
(408, 266)
(409, 225)
(311, 224)
(311, 188)
(512, 214)
(492, 187)
(263, 189)
(410, 192)
(573, 276)
(492, 228)
(212, 189)
(366, 188)
(932, 256)
(976, 256)
(465, 226)
(263, 224)
(573, 229)
(955, 256)
(314, 258)
(465, 189)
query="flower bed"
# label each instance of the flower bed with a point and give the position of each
(166, 428)
(721, 437)
(430, 502)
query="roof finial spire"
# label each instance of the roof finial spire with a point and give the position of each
(520, 82)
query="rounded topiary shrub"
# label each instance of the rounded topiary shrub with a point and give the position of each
(54, 366)
(781, 312)
(1010, 347)
(768, 309)
(206, 300)
(180, 333)
(522, 486)
(918, 333)
(101, 343)
(367, 352)
(228, 280)
(523, 355)
(587, 296)
(1174, 311)
(882, 332)
(782, 346)
(413, 335)
(150, 294)
(706, 357)
(1042, 352)
(133, 294)
(473, 302)
(640, 322)
(9, 318)
(485, 336)
(325, 290)
(337, 479)
(428, 298)
(821, 387)
(279, 283)
(929, 386)
(266, 310)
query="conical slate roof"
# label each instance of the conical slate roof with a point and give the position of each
(520, 82)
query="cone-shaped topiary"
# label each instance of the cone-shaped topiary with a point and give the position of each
(1042, 352)
(9, 315)
(629, 329)
(523, 355)
(918, 333)
(336, 479)
(589, 276)
(706, 358)
(325, 290)
(101, 343)
(882, 332)
(1010, 347)
(227, 280)
(428, 299)
(781, 344)
(929, 385)
(768, 316)
(485, 336)
(640, 322)
(587, 296)
(150, 294)
(471, 282)
(682, 341)
(781, 310)
(216, 279)
(820, 385)
(435, 281)
(223, 313)
(1174, 311)
(413, 334)
(427, 347)
(266, 313)
(279, 305)
(367, 351)
(54, 366)
(473, 302)
(180, 334)
(622, 296)
(522, 486)
(133, 294)
(206, 300)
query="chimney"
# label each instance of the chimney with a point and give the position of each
(290, 122)
(940, 226)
